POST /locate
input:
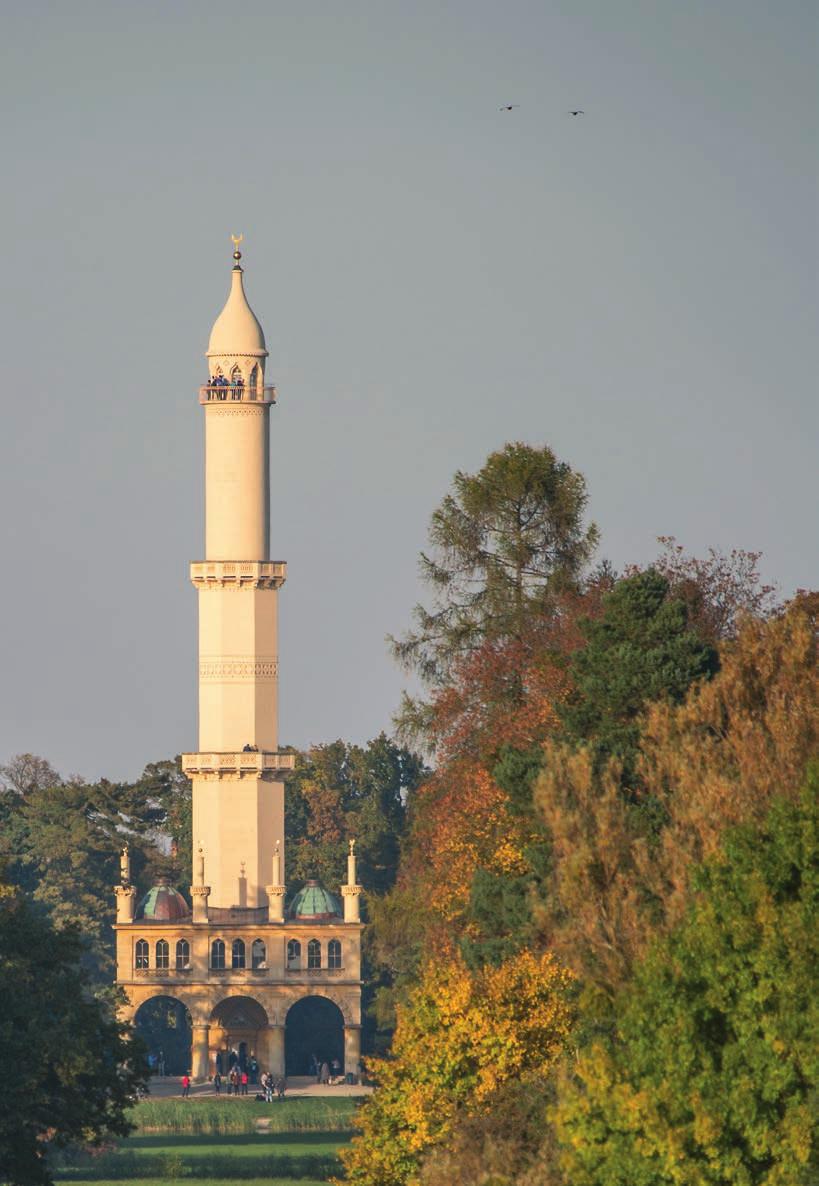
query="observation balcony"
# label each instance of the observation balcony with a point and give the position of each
(256, 574)
(253, 762)
(236, 393)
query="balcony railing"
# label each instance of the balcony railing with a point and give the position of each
(252, 762)
(313, 971)
(236, 393)
(248, 573)
(163, 973)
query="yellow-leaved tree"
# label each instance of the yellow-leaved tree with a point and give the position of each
(460, 1038)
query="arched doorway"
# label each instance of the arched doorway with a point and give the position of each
(164, 1024)
(314, 1027)
(237, 1028)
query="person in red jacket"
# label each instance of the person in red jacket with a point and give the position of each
(244, 1082)
(186, 1085)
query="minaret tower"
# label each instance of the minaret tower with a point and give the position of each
(250, 967)
(238, 796)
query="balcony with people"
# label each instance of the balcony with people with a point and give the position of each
(237, 388)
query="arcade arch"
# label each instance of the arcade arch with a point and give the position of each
(239, 1031)
(314, 1031)
(164, 1024)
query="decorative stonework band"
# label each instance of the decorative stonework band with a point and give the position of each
(238, 574)
(224, 669)
(244, 763)
(237, 409)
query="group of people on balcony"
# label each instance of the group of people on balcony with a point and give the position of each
(219, 386)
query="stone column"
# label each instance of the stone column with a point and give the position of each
(352, 1049)
(200, 1053)
(275, 902)
(199, 900)
(277, 1049)
(126, 901)
(271, 1049)
(350, 895)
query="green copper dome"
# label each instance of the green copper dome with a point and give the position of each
(162, 903)
(313, 903)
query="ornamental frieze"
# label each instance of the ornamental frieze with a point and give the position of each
(238, 667)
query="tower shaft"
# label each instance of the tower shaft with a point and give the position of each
(238, 800)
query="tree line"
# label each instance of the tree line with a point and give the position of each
(599, 954)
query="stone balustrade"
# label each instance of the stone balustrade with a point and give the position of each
(259, 574)
(233, 393)
(251, 762)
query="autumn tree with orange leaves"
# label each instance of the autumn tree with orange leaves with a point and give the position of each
(461, 1037)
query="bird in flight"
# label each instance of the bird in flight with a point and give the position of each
(510, 106)
(578, 112)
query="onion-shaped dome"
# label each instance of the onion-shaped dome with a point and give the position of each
(236, 330)
(313, 903)
(163, 903)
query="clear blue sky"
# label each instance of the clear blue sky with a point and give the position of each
(636, 288)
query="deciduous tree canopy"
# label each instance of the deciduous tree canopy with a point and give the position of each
(711, 1074)
(75, 1071)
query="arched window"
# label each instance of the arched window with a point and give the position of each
(236, 383)
(183, 954)
(253, 379)
(162, 953)
(141, 954)
(334, 954)
(237, 954)
(258, 954)
(293, 954)
(217, 953)
(314, 954)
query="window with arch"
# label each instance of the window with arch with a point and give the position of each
(334, 953)
(253, 379)
(162, 953)
(236, 383)
(183, 954)
(258, 954)
(314, 954)
(141, 954)
(217, 953)
(293, 954)
(237, 954)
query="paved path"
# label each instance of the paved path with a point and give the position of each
(163, 1088)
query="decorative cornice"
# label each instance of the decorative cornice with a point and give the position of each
(199, 891)
(350, 891)
(214, 408)
(254, 764)
(238, 668)
(238, 574)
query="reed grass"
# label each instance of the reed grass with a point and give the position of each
(219, 1117)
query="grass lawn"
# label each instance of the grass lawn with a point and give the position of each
(294, 1143)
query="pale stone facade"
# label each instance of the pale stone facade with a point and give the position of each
(238, 881)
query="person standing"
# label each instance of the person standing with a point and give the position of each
(325, 1073)
(217, 1083)
(244, 1082)
(186, 1085)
